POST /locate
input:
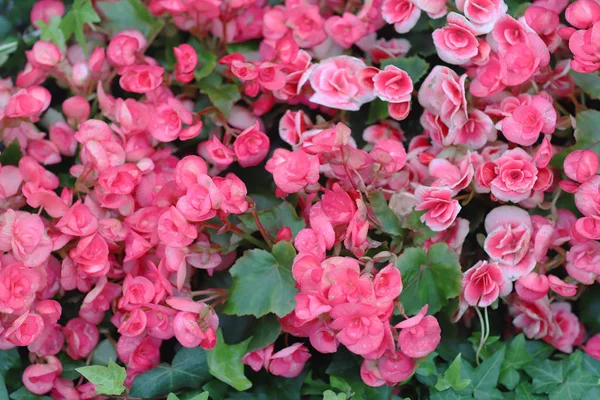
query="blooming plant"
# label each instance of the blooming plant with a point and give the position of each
(251, 199)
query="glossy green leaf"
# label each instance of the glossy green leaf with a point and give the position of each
(189, 369)
(130, 14)
(69, 367)
(414, 66)
(225, 363)
(429, 278)
(108, 380)
(199, 396)
(263, 282)
(387, 218)
(452, 377)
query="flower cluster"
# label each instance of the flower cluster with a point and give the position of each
(154, 174)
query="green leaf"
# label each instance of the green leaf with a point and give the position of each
(331, 395)
(265, 331)
(52, 32)
(485, 378)
(199, 396)
(387, 218)
(414, 223)
(378, 111)
(70, 366)
(108, 380)
(223, 97)
(188, 369)
(103, 353)
(8, 46)
(452, 378)
(9, 359)
(207, 60)
(130, 14)
(516, 358)
(275, 218)
(225, 363)
(547, 375)
(577, 383)
(24, 394)
(11, 155)
(414, 66)
(429, 278)
(591, 365)
(3, 390)
(263, 282)
(74, 21)
(525, 392)
(587, 135)
(589, 83)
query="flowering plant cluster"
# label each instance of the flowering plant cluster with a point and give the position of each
(251, 199)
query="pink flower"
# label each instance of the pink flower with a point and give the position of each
(443, 93)
(583, 262)
(39, 378)
(514, 176)
(338, 205)
(534, 318)
(44, 10)
(124, 46)
(193, 325)
(30, 243)
(200, 202)
(251, 146)
(323, 338)
(587, 199)
(580, 165)
(132, 323)
(78, 221)
(524, 124)
(76, 108)
(483, 283)
(345, 30)
(387, 284)
(482, 13)
(25, 330)
(393, 85)
(592, 347)
(419, 335)
(292, 171)
(233, 192)
(82, 338)
(583, 13)
(307, 25)
(166, 122)
(141, 78)
(359, 328)
(562, 288)
(356, 235)
(335, 82)
(509, 235)
(402, 13)
(28, 103)
(91, 255)
(456, 43)
(570, 331)
(45, 55)
(259, 358)
(441, 210)
(187, 59)
(218, 152)
(290, 361)
(532, 287)
(395, 367)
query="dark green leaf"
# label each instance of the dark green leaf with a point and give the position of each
(589, 83)
(207, 61)
(263, 282)
(525, 392)
(130, 14)
(587, 135)
(9, 359)
(452, 378)
(24, 394)
(69, 367)
(225, 363)
(547, 375)
(188, 369)
(3, 390)
(387, 218)
(484, 379)
(188, 396)
(74, 21)
(577, 383)
(516, 358)
(217, 389)
(11, 155)
(8, 46)
(266, 330)
(429, 278)
(345, 364)
(591, 365)
(223, 97)
(378, 111)
(276, 218)
(104, 352)
(414, 66)
(108, 380)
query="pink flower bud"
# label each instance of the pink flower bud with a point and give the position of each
(76, 108)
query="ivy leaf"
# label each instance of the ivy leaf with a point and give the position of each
(265, 331)
(11, 155)
(387, 218)
(223, 97)
(485, 378)
(576, 384)
(276, 218)
(452, 378)
(225, 363)
(378, 111)
(589, 83)
(263, 282)
(74, 21)
(547, 375)
(130, 14)
(524, 391)
(429, 278)
(104, 353)
(188, 369)
(108, 380)
(414, 66)
(516, 358)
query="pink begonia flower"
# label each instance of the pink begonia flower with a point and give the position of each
(580, 165)
(419, 335)
(189, 170)
(527, 121)
(44, 10)
(167, 120)
(26, 236)
(534, 318)
(592, 346)
(441, 209)
(173, 228)
(456, 42)
(76, 108)
(200, 202)
(443, 93)
(292, 171)
(513, 176)
(49, 310)
(387, 284)
(124, 46)
(583, 13)
(44, 55)
(50, 342)
(562, 288)
(390, 154)
(335, 82)
(583, 262)
(82, 338)
(345, 30)
(193, 325)
(39, 378)
(338, 205)
(25, 330)
(98, 300)
(28, 103)
(323, 338)
(587, 199)
(483, 283)
(141, 78)
(482, 13)
(290, 361)
(187, 59)
(259, 359)
(251, 146)
(569, 332)
(395, 366)
(233, 192)
(393, 85)
(91, 255)
(532, 287)
(359, 328)
(509, 236)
